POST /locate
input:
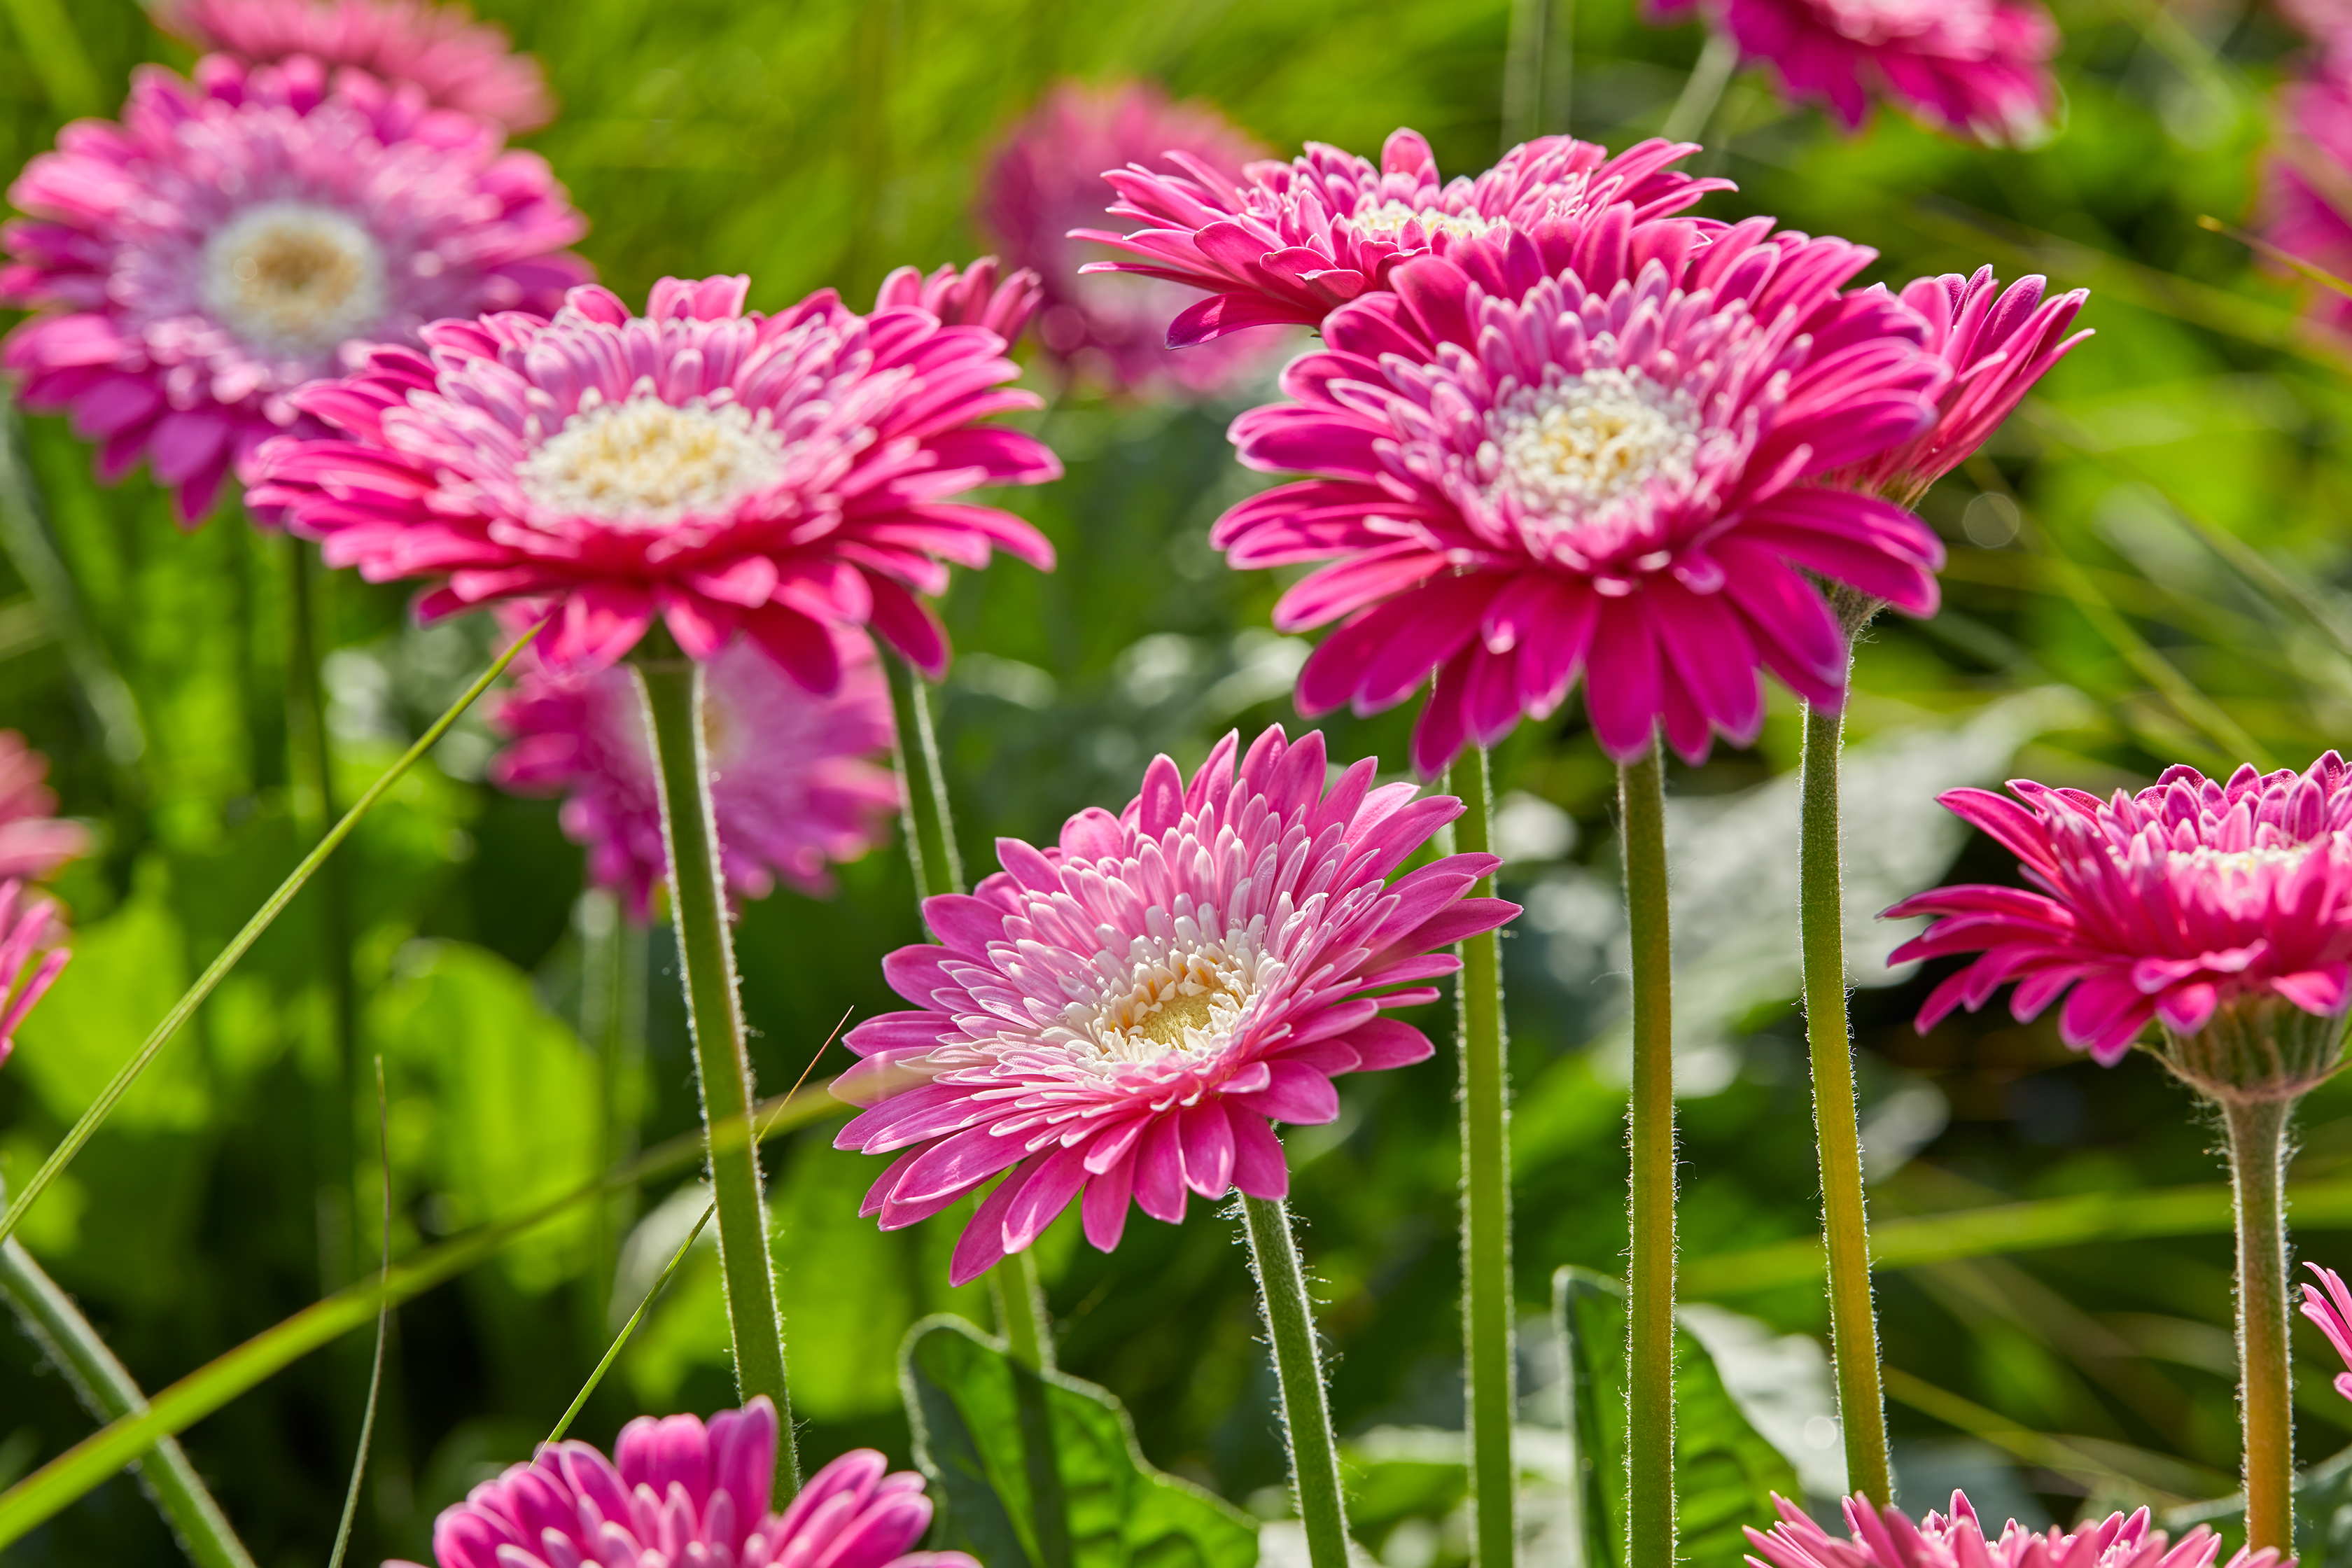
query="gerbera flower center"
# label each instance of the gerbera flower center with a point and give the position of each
(293, 279)
(1182, 993)
(645, 462)
(1388, 220)
(1564, 449)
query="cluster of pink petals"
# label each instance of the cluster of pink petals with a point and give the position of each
(1047, 180)
(678, 1494)
(1680, 568)
(1120, 1015)
(2307, 175)
(114, 257)
(973, 297)
(2190, 896)
(793, 782)
(1956, 1539)
(2331, 1309)
(1972, 67)
(34, 841)
(868, 424)
(27, 924)
(459, 63)
(1293, 242)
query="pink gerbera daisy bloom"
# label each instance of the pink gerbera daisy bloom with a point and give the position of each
(1047, 180)
(2331, 1309)
(793, 783)
(459, 62)
(1888, 1538)
(1120, 1017)
(2190, 898)
(1586, 452)
(33, 841)
(238, 237)
(28, 925)
(677, 1492)
(1972, 67)
(779, 475)
(2306, 178)
(1292, 242)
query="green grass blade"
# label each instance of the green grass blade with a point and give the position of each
(621, 1340)
(382, 1330)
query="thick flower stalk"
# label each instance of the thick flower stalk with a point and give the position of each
(1290, 243)
(1884, 1537)
(241, 236)
(677, 1491)
(34, 841)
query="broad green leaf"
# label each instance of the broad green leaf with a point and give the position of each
(126, 971)
(1042, 1471)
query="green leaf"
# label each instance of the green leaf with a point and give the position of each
(1042, 1470)
(1724, 1470)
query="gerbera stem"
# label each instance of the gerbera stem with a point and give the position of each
(2257, 1131)
(1487, 1296)
(1837, 1131)
(672, 684)
(1650, 1273)
(1298, 1369)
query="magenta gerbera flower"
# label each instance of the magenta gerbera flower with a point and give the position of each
(973, 297)
(1047, 180)
(28, 925)
(238, 237)
(1120, 1017)
(2305, 178)
(677, 1492)
(1293, 242)
(2190, 898)
(2329, 1305)
(1587, 453)
(34, 841)
(1889, 1540)
(1973, 68)
(780, 475)
(793, 780)
(459, 62)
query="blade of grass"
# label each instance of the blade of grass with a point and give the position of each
(54, 51)
(382, 1327)
(629, 1329)
(2264, 248)
(2091, 1457)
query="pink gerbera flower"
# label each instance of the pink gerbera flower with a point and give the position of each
(1889, 1540)
(2308, 183)
(1047, 180)
(33, 841)
(459, 62)
(792, 779)
(26, 926)
(676, 1493)
(1121, 1016)
(2331, 1309)
(1586, 452)
(2190, 899)
(1292, 242)
(238, 237)
(777, 475)
(1973, 68)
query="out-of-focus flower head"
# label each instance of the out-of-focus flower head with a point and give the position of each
(1047, 180)
(677, 1492)
(726, 471)
(28, 924)
(973, 297)
(237, 237)
(1972, 67)
(1293, 242)
(1889, 1539)
(459, 63)
(793, 776)
(2306, 202)
(1118, 1016)
(33, 841)
(1586, 453)
(2329, 1305)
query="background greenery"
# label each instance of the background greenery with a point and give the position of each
(2148, 566)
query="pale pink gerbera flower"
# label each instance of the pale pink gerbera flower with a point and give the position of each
(28, 925)
(1047, 179)
(236, 239)
(1587, 453)
(1889, 1540)
(459, 62)
(792, 777)
(33, 841)
(2331, 1309)
(1121, 1016)
(1292, 242)
(1973, 68)
(679, 1493)
(777, 475)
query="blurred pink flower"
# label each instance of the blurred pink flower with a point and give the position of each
(1047, 180)
(1973, 68)
(238, 237)
(1121, 1016)
(32, 842)
(26, 926)
(2307, 180)
(1889, 1540)
(2331, 1309)
(971, 298)
(1586, 453)
(1292, 242)
(792, 775)
(677, 1492)
(2189, 898)
(459, 62)
(781, 476)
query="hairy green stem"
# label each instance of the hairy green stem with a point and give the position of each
(1020, 1300)
(1298, 1371)
(1649, 1274)
(1837, 1129)
(2258, 1149)
(672, 686)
